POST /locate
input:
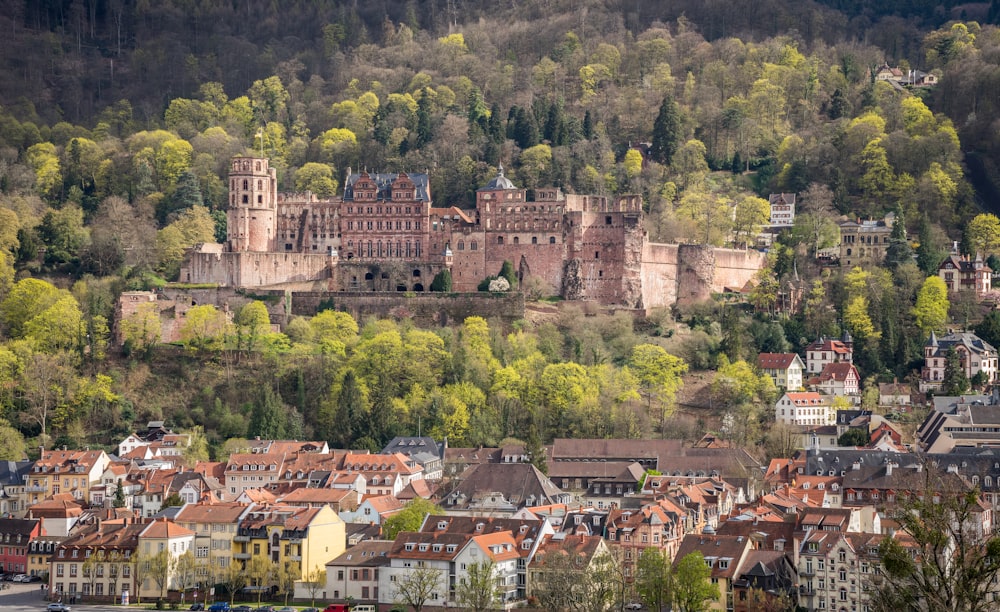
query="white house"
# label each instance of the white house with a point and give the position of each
(782, 209)
(828, 350)
(785, 369)
(804, 408)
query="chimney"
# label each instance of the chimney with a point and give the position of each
(888, 468)
(856, 466)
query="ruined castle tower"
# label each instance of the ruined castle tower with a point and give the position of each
(253, 196)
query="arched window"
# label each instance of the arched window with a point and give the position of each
(517, 240)
(534, 240)
(499, 239)
(552, 239)
(246, 184)
(473, 246)
(461, 245)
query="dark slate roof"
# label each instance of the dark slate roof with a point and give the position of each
(17, 526)
(969, 340)
(421, 449)
(384, 182)
(499, 182)
(12, 472)
(518, 482)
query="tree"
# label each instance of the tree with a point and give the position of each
(161, 566)
(929, 253)
(284, 576)
(142, 567)
(410, 518)
(477, 589)
(141, 329)
(659, 375)
(693, 592)
(204, 328)
(899, 251)
(417, 586)
(750, 214)
(315, 582)
(26, 299)
(186, 572)
(259, 570)
(173, 500)
(234, 579)
(941, 559)
(653, 580)
(252, 323)
(983, 234)
(89, 568)
(931, 309)
(317, 178)
(119, 501)
(955, 380)
(267, 418)
(666, 132)
(853, 437)
(989, 328)
(12, 444)
(442, 281)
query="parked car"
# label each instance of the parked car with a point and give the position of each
(34, 578)
(266, 609)
(57, 607)
(219, 606)
(310, 610)
(287, 609)
(197, 606)
(243, 608)
(633, 606)
(336, 608)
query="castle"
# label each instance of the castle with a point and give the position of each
(385, 235)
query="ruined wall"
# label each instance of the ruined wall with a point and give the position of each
(735, 267)
(426, 309)
(245, 269)
(659, 275)
(468, 259)
(383, 276)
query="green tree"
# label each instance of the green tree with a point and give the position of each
(410, 518)
(477, 589)
(955, 380)
(186, 572)
(666, 132)
(57, 327)
(267, 418)
(983, 234)
(234, 578)
(142, 567)
(853, 437)
(442, 281)
(931, 309)
(899, 251)
(119, 501)
(315, 582)
(259, 571)
(64, 234)
(989, 328)
(285, 575)
(507, 271)
(750, 215)
(929, 254)
(653, 580)
(252, 322)
(317, 178)
(659, 375)
(693, 592)
(204, 328)
(140, 329)
(26, 299)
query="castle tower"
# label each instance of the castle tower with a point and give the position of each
(253, 197)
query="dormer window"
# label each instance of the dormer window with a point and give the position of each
(409, 546)
(437, 548)
(423, 548)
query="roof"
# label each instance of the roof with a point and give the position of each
(838, 371)
(383, 183)
(315, 496)
(777, 361)
(968, 340)
(223, 512)
(16, 527)
(716, 547)
(498, 182)
(520, 484)
(367, 553)
(164, 529)
(422, 449)
(807, 398)
(830, 345)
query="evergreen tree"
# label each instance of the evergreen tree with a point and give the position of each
(955, 381)
(554, 130)
(186, 195)
(899, 251)
(929, 256)
(442, 281)
(666, 132)
(507, 271)
(350, 405)
(989, 328)
(119, 501)
(839, 106)
(535, 450)
(267, 418)
(424, 134)
(494, 129)
(524, 132)
(588, 126)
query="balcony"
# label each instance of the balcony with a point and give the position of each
(241, 538)
(295, 557)
(36, 488)
(242, 555)
(808, 571)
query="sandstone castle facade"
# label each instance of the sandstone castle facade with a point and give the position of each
(385, 235)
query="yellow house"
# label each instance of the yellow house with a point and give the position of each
(309, 537)
(64, 471)
(159, 536)
(214, 526)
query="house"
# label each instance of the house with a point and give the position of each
(887, 73)
(58, 516)
(597, 483)
(65, 471)
(782, 209)
(895, 396)
(161, 535)
(961, 274)
(560, 565)
(804, 408)
(307, 536)
(785, 369)
(109, 579)
(975, 355)
(354, 575)
(864, 242)
(502, 488)
(13, 485)
(214, 526)
(424, 450)
(339, 499)
(828, 350)
(384, 474)
(972, 424)
(435, 554)
(16, 536)
(725, 555)
(769, 580)
(839, 380)
(373, 509)
(252, 470)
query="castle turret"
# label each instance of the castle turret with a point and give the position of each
(253, 197)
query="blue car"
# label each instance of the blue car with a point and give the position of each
(219, 606)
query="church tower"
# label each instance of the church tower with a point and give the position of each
(253, 198)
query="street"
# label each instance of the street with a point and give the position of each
(17, 597)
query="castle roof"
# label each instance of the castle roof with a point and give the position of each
(384, 182)
(498, 182)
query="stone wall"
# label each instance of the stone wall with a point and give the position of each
(688, 273)
(249, 269)
(659, 275)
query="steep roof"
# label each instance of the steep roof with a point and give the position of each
(777, 361)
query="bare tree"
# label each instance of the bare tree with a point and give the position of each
(416, 586)
(477, 589)
(315, 581)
